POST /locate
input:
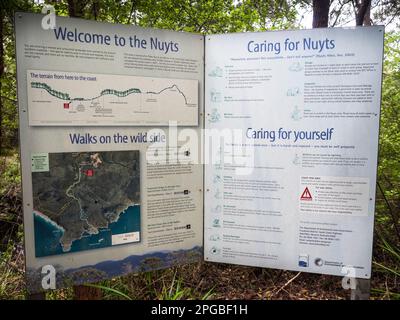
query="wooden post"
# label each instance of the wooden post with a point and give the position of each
(362, 290)
(87, 293)
(36, 296)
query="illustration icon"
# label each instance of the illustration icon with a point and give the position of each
(306, 195)
(214, 116)
(296, 67)
(296, 160)
(215, 96)
(292, 92)
(296, 114)
(218, 166)
(215, 237)
(217, 209)
(303, 260)
(216, 72)
(220, 152)
(217, 178)
(216, 223)
(319, 262)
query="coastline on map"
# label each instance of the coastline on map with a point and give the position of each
(96, 231)
(48, 233)
(124, 208)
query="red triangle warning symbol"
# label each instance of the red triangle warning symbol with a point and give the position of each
(306, 195)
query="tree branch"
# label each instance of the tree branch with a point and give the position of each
(395, 222)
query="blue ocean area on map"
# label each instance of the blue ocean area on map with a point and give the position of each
(48, 234)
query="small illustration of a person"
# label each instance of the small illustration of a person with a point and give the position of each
(296, 114)
(214, 116)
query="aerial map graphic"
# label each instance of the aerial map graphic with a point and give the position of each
(72, 98)
(86, 200)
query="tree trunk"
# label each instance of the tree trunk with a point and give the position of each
(95, 9)
(363, 10)
(75, 8)
(367, 17)
(320, 13)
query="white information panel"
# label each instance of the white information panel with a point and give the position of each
(299, 113)
(105, 193)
